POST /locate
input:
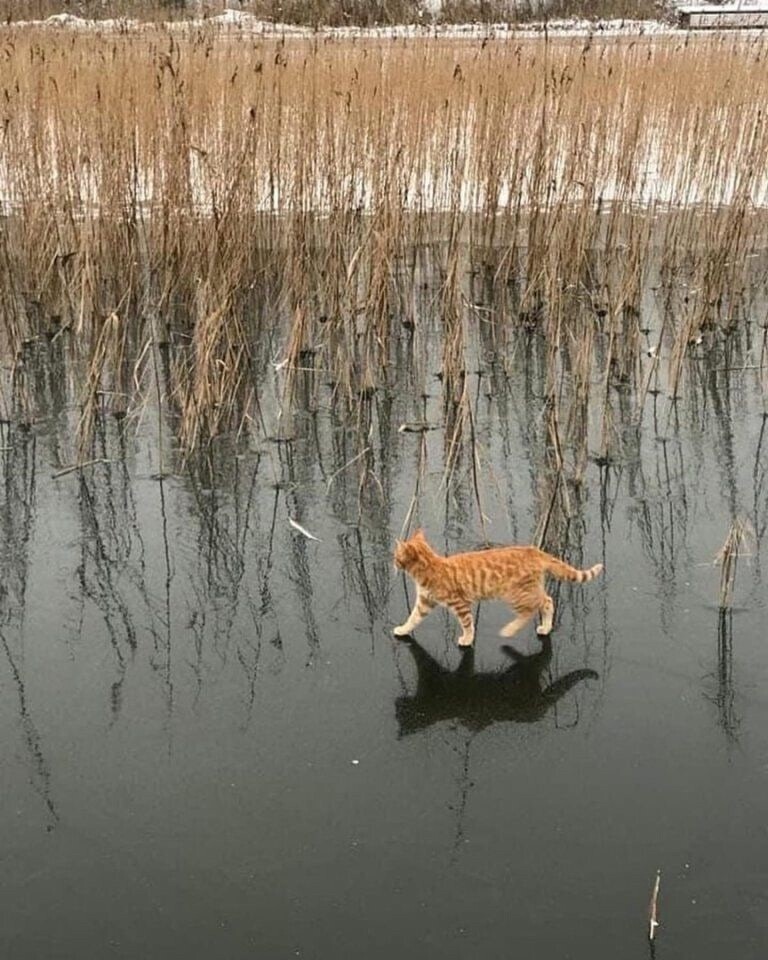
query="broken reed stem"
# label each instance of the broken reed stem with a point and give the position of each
(740, 533)
(653, 907)
(421, 471)
(65, 471)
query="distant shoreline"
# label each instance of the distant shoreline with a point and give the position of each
(237, 22)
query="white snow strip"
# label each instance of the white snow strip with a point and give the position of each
(237, 21)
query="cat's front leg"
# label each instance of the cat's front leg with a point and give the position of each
(463, 613)
(424, 605)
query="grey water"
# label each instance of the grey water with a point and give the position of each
(211, 745)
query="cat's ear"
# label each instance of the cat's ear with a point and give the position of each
(418, 534)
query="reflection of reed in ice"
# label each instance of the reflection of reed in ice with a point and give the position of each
(17, 510)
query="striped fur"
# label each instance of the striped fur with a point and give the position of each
(513, 574)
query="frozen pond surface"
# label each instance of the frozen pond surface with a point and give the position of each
(212, 746)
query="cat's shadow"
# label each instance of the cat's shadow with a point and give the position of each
(516, 693)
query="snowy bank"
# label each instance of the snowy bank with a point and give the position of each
(237, 22)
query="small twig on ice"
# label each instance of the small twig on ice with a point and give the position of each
(302, 530)
(77, 466)
(653, 906)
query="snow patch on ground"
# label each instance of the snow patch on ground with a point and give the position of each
(233, 18)
(246, 23)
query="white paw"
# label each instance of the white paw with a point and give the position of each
(401, 631)
(543, 631)
(466, 641)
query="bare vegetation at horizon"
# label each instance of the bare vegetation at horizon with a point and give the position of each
(338, 13)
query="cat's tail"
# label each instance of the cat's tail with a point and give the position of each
(564, 571)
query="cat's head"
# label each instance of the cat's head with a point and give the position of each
(410, 550)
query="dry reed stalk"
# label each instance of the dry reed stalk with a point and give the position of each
(739, 534)
(172, 173)
(107, 349)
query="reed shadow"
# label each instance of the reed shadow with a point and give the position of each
(517, 693)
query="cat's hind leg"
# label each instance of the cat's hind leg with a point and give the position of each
(514, 626)
(463, 613)
(424, 605)
(524, 599)
(547, 610)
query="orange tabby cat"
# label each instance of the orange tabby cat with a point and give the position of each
(513, 574)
